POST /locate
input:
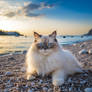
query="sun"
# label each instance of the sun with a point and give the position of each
(7, 25)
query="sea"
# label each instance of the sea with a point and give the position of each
(13, 44)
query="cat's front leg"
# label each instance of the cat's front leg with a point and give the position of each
(58, 77)
(29, 73)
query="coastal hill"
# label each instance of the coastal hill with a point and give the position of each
(6, 33)
(89, 33)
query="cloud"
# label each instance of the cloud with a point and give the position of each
(28, 9)
(10, 14)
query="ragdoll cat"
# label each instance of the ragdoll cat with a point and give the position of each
(46, 56)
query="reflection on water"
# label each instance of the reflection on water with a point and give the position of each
(11, 44)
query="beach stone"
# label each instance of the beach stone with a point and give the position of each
(6, 90)
(8, 73)
(69, 80)
(32, 83)
(83, 51)
(29, 90)
(50, 90)
(70, 89)
(74, 44)
(82, 45)
(11, 58)
(90, 51)
(23, 69)
(45, 89)
(88, 89)
(40, 82)
(31, 78)
(24, 52)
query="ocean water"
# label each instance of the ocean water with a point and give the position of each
(12, 44)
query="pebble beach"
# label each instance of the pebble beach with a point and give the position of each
(13, 78)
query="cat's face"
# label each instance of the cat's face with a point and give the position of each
(45, 44)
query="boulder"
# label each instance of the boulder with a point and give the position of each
(83, 51)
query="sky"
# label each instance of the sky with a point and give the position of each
(68, 17)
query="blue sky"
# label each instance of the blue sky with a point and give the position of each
(67, 16)
(69, 9)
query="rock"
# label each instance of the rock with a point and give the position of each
(45, 89)
(32, 83)
(74, 44)
(90, 51)
(30, 77)
(64, 36)
(88, 89)
(70, 89)
(50, 90)
(69, 80)
(6, 90)
(82, 45)
(11, 58)
(23, 69)
(40, 82)
(89, 33)
(24, 52)
(29, 90)
(83, 51)
(9, 74)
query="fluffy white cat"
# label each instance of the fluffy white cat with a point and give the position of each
(46, 56)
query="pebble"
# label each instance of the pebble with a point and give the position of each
(82, 45)
(88, 89)
(11, 58)
(90, 51)
(74, 44)
(24, 52)
(69, 80)
(8, 73)
(82, 82)
(23, 69)
(32, 83)
(50, 90)
(29, 90)
(45, 89)
(70, 89)
(6, 90)
(40, 82)
(83, 51)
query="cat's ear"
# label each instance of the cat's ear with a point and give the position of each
(53, 34)
(36, 35)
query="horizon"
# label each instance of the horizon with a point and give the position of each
(67, 17)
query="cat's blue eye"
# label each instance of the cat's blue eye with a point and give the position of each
(50, 45)
(40, 45)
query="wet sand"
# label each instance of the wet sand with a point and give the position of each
(12, 74)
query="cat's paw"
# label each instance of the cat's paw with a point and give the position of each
(58, 82)
(30, 77)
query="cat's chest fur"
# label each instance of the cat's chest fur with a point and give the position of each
(46, 64)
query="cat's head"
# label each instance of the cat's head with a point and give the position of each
(45, 44)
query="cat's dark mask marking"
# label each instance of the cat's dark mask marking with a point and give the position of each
(45, 45)
(55, 40)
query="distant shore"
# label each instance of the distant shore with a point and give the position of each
(12, 73)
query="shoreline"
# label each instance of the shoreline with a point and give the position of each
(12, 73)
(24, 51)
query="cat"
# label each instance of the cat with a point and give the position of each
(46, 56)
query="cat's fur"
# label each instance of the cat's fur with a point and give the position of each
(55, 60)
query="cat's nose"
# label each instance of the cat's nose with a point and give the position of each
(45, 46)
